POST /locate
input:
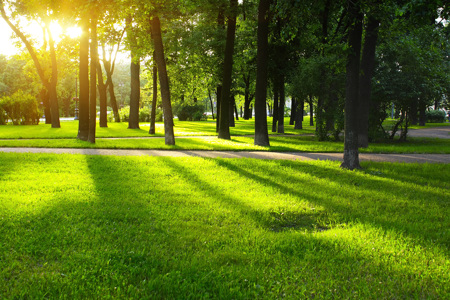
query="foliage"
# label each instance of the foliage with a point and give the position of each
(297, 230)
(145, 115)
(189, 112)
(20, 108)
(435, 116)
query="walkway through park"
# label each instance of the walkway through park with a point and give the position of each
(439, 132)
(406, 158)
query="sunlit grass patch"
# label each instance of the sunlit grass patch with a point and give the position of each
(140, 227)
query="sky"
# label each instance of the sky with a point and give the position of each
(6, 43)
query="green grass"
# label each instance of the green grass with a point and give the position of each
(239, 143)
(76, 226)
(69, 129)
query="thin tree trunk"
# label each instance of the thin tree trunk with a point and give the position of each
(224, 129)
(293, 111)
(281, 105)
(133, 121)
(351, 155)
(235, 108)
(262, 57)
(83, 123)
(212, 104)
(93, 81)
(311, 111)
(163, 81)
(231, 112)
(53, 82)
(218, 96)
(103, 98)
(112, 97)
(46, 103)
(299, 115)
(365, 83)
(155, 97)
(276, 97)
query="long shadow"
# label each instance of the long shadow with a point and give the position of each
(385, 217)
(123, 234)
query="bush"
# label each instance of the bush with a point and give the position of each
(190, 112)
(435, 116)
(20, 108)
(144, 114)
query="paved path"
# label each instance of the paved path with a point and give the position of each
(407, 158)
(435, 132)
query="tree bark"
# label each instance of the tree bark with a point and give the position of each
(133, 121)
(299, 115)
(311, 111)
(281, 105)
(351, 155)
(224, 129)
(163, 81)
(155, 97)
(231, 112)
(293, 111)
(276, 97)
(262, 57)
(103, 98)
(365, 83)
(54, 107)
(93, 81)
(83, 109)
(211, 103)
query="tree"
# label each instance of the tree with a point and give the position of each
(83, 121)
(163, 80)
(261, 134)
(224, 125)
(93, 79)
(351, 155)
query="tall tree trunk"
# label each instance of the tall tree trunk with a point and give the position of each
(293, 111)
(133, 121)
(299, 114)
(247, 99)
(276, 96)
(46, 104)
(365, 80)
(211, 103)
(224, 129)
(262, 57)
(83, 123)
(281, 105)
(219, 53)
(112, 97)
(231, 112)
(218, 97)
(53, 82)
(311, 111)
(413, 112)
(422, 114)
(351, 155)
(155, 97)
(103, 98)
(235, 108)
(163, 81)
(93, 81)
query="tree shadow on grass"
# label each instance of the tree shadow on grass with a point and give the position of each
(405, 215)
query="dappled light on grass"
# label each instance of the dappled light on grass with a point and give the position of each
(140, 227)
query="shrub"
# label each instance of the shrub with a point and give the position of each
(435, 116)
(189, 112)
(20, 108)
(144, 114)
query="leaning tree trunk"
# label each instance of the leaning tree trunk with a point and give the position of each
(365, 83)
(93, 81)
(224, 128)
(351, 155)
(83, 113)
(262, 57)
(133, 121)
(103, 99)
(112, 97)
(155, 98)
(163, 81)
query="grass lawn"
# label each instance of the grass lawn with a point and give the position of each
(69, 129)
(76, 226)
(44, 136)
